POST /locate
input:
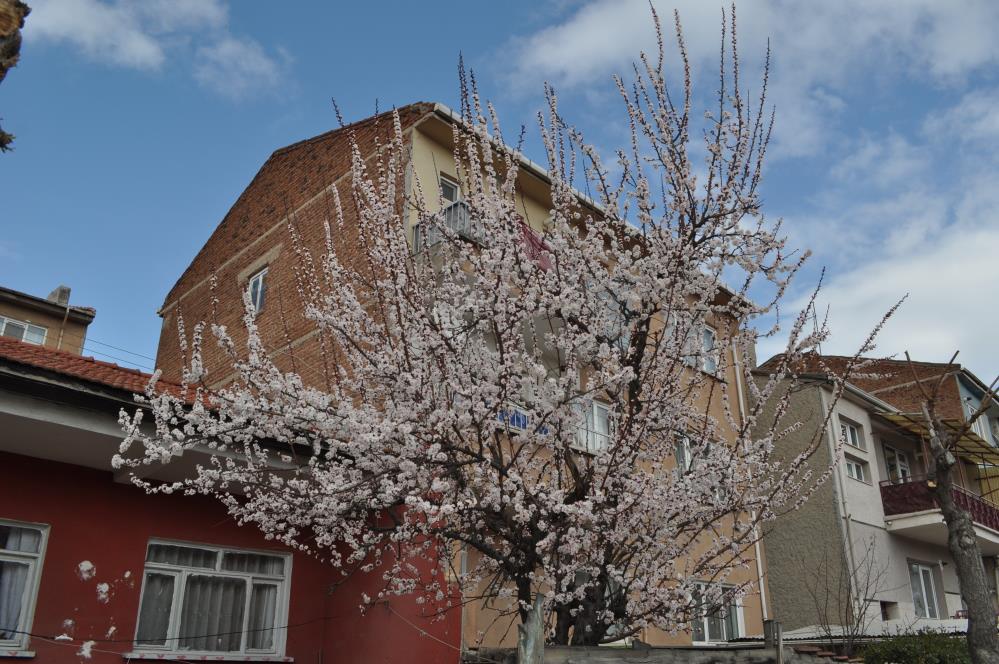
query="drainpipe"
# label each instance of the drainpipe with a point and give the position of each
(62, 329)
(756, 545)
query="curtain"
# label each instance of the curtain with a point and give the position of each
(25, 540)
(185, 556)
(263, 606)
(253, 563)
(13, 579)
(212, 616)
(917, 591)
(154, 614)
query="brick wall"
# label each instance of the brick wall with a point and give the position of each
(293, 184)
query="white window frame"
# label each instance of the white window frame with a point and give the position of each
(928, 597)
(447, 179)
(45, 331)
(736, 605)
(901, 462)
(856, 469)
(682, 454)
(35, 562)
(587, 437)
(709, 354)
(698, 354)
(847, 427)
(260, 301)
(181, 573)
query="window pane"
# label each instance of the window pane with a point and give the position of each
(35, 335)
(253, 563)
(931, 601)
(13, 584)
(212, 615)
(25, 540)
(731, 622)
(14, 330)
(917, 591)
(715, 627)
(154, 614)
(449, 191)
(185, 556)
(263, 607)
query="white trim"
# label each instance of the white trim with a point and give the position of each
(26, 323)
(36, 562)
(181, 573)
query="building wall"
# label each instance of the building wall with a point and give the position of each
(90, 517)
(801, 543)
(72, 333)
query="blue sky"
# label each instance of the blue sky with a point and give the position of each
(138, 124)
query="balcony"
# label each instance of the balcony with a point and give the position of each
(456, 218)
(912, 511)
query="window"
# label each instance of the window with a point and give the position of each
(718, 622)
(22, 331)
(257, 289)
(450, 191)
(851, 433)
(995, 431)
(594, 433)
(684, 458)
(699, 349)
(198, 599)
(21, 548)
(897, 464)
(924, 592)
(856, 469)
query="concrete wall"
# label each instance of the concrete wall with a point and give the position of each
(69, 336)
(799, 542)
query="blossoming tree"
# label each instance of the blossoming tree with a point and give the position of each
(572, 408)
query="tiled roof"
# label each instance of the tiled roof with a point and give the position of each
(76, 366)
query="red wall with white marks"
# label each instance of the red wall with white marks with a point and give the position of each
(90, 517)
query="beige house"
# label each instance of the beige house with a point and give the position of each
(51, 322)
(250, 251)
(872, 536)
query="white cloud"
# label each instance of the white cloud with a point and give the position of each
(818, 49)
(236, 68)
(145, 34)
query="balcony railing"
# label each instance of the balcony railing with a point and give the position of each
(913, 494)
(456, 217)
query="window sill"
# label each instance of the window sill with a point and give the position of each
(203, 657)
(16, 654)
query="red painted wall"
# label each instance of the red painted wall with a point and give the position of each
(91, 517)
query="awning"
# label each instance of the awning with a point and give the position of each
(970, 446)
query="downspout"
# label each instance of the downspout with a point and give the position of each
(756, 544)
(62, 330)
(842, 509)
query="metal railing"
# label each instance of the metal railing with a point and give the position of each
(456, 218)
(913, 494)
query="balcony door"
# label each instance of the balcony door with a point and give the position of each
(924, 592)
(897, 464)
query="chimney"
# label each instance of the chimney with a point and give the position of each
(60, 296)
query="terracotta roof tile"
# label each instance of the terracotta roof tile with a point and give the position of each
(77, 366)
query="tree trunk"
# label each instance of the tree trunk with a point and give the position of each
(983, 638)
(531, 634)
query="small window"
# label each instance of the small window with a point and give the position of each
(22, 331)
(21, 547)
(856, 469)
(889, 611)
(594, 434)
(699, 349)
(682, 452)
(717, 622)
(450, 191)
(852, 433)
(204, 600)
(257, 289)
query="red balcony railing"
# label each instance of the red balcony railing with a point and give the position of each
(913, 494)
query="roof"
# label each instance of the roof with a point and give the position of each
(290, 177)
(105, 374)
(80, 314)
(969, 445)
